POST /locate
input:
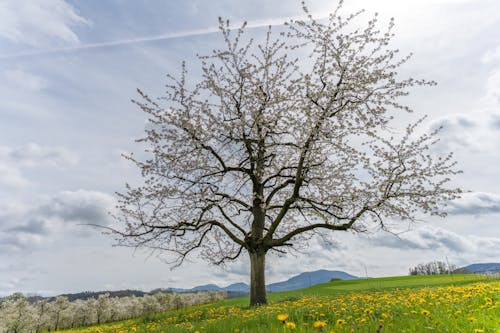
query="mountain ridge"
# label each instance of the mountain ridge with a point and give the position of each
(480, 268)
(299, 281)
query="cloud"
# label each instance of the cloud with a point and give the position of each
(495, 122)
(82, 206)
(58, 216)
(493, 88)
(34, 155)
(428, 238)
(24, 80)
(476, 129)
(39, 23)
(160, 37)
(457, 130)
(35, 226)
(435, 238)
(18, 241)
(11, 178)
(476, 203)
(491, 55)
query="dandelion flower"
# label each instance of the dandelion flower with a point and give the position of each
(425, 312)
(282, 317)
(340, 322)
(319, 324)
(290, 325)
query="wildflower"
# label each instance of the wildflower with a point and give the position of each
(291, 325)
(471, 319)
(478, 330)
(319, 324)
(340, 322)
(282, 317)
(425, 312)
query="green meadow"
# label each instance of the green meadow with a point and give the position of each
(439, 303)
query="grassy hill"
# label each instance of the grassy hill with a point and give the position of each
(441, 303)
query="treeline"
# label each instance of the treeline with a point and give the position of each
(19, 315)
(433, 268)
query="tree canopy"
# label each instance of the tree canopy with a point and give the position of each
(280, 139)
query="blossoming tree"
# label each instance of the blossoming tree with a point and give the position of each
(280, 140)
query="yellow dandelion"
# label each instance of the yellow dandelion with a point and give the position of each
(425, 312)
(478, 330)
(340, 322)
(319, 324)
(291, 325)
(282, 317)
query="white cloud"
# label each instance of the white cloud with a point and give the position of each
(11, 178)
(476, 203)
(493, 88)
(39, 23)
(424, 238)
(82, 206)
(34, 155)
(491, 55)
(11, 242)
(457, 130)
(477, 130)
(439, 240)
(24, 80)
(61, 215)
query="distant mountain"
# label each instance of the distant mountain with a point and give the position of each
(207, 287)
(237, 287)
(300, 281)
(480, 268)
(307, 279)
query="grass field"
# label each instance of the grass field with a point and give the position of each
(443, 303)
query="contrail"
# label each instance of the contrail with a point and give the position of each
(166, 36)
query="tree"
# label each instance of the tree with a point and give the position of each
(279, 141)
(57, 311)
(18, 317)
(433, 268)
(41, 315)
(102, 307)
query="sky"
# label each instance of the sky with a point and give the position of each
(68, 70)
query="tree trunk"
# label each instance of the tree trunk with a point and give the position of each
(257, 278)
